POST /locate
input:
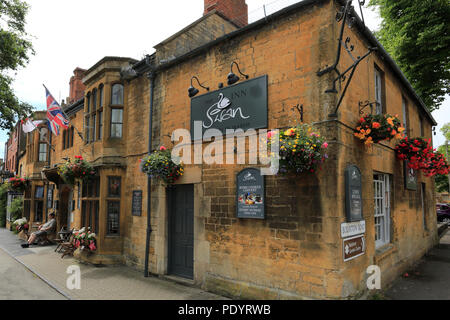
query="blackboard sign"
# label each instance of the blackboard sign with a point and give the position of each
(410, 177)
(137, 203)
(353, 194)
(240, 106)
(250, 194)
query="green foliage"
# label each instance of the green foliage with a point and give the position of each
(160, 165)
(446, 131)
(416, 33)
(3, 202)
(16, 208)
(15, 49)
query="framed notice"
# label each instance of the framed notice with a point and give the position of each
(250, 194)
(410, 177)
(136, 204)
(353, 247)
(353, 194)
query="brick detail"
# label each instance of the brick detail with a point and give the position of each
(76, 85)
(234, 10)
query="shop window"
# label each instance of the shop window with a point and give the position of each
(117, 94)
(379, 91)
(113, 218)
(382, 209)
(116, 123)
(114, 187)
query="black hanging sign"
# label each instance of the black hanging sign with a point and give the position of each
(250, 194)
(240, 106)
(353, 194)
(137, 203)
(410, 177)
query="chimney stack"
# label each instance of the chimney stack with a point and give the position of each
(233, 10)
(76, 85)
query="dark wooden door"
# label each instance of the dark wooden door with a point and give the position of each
(181, 231)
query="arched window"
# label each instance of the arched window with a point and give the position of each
(117, 94)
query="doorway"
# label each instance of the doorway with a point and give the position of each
(181, 231)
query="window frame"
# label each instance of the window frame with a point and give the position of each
(382, 196)
(380, 106)
(116, 124)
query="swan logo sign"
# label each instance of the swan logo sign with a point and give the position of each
(240, 106)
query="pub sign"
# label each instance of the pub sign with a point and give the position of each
(250, 194)
(240, 106)
(353, 194)
(410, 177)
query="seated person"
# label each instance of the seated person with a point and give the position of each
(42, 230)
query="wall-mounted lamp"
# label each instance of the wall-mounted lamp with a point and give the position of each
(193, 91)
(232, 78)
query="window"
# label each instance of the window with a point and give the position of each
(90, 204)
(113, 218)
(100, 96)
(38, 203)
(88, 99)
(379, 91)
(87, 130)
(382, 209)
(422, 128)
(43, 138)
(117, 95)
(94, 100)
(114, 187)
(423, 197)
(94, 123)
(68, 138)
(405, 114)
(116, 123)
(100, 125)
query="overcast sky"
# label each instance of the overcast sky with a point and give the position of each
(70, 34)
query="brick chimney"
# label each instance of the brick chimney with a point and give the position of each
(76, 85)
(233, 10)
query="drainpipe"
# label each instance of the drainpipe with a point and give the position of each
(151, 75)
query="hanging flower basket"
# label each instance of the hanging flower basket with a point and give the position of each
(301, 149)
(160, 165)
(421, 156)
(18, 184)
(78, 169)
(379, 127)
(85, 240)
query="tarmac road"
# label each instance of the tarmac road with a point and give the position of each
(17, 283)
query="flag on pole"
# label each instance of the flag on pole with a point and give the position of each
(55, 115)
(29, 125)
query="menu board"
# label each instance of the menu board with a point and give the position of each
(137, 203)
(353, 194)
(250, 194)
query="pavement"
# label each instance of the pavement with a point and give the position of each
(49, 278)
(429, 280)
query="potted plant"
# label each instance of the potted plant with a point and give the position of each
(85, 241)
(379, 127)
(301, 149)
(421, 156)
(78, 169)
(18, 184)
(160, 165)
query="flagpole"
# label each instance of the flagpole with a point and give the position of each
(79, 133)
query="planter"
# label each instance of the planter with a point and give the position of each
(79, 169)
(379, 127)
(160, 165)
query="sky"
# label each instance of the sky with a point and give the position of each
(70, 34)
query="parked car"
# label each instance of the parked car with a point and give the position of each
(443, 212)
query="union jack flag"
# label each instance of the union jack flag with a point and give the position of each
(55, 115)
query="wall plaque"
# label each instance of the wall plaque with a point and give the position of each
(350, 229)
(250, 194)
(240, 106)
(136, 204)
(354, 247)
(410, 177)
(353, 194)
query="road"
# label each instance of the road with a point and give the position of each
(17, 283)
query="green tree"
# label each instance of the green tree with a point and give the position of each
(15, 49)
(416, 33)
(3, 203)
(442, 183)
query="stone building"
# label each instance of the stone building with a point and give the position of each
(191, 230)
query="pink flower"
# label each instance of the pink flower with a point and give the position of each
(270, 134)
(162, 148)
(325, 145)
(92, 246)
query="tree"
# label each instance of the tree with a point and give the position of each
(416, 33)
(15, 50)
(442, 181)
